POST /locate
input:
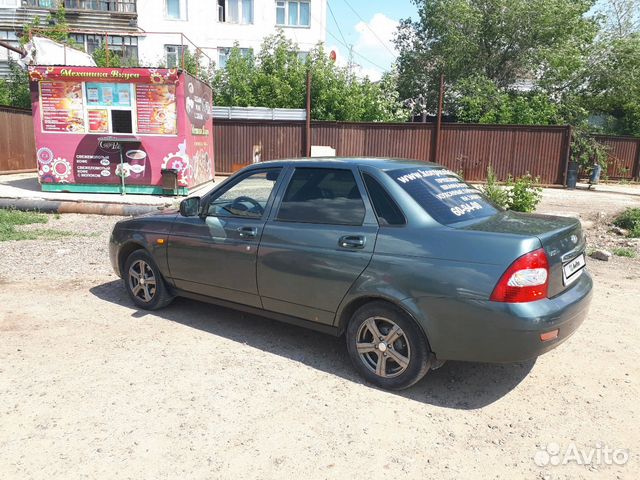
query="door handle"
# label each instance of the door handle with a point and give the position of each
(352, 241)
(247, 232)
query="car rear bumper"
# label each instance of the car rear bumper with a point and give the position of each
(486, 331)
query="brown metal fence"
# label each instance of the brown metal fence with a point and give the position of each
(624, 156)
(515, 150)
(17, 146)
(510, 149)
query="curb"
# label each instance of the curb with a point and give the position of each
(95, 208)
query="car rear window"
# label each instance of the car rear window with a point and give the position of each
(442, 194)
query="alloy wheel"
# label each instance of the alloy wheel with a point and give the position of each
(142, 281)
(383, 347)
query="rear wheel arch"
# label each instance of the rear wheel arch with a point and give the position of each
(348, 310)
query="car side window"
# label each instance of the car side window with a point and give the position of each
(386, 209)
(323, 196)
(248, 198)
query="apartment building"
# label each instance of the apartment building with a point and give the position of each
(148, 32)
(215, 25)
(88, 20)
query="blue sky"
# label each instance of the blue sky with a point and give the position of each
(371, 39)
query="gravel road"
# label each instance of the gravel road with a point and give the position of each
(91, 387)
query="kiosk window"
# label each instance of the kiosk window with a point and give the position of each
(121, 121)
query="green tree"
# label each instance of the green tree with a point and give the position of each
(14, 90)
(234, 83)
(55, 27)
(103, 60)
(276, 78)
(613, 85)
(501, 40)
(480, 100)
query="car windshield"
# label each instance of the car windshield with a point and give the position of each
(443, 195)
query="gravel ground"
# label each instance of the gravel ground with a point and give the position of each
(91, 387)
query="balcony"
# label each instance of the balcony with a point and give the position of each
(117, 6)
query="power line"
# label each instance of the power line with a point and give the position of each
(366, 24)
(336, 22)
(356, 53)
(348, 47)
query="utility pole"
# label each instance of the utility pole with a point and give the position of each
(436, 133)
(307, 135)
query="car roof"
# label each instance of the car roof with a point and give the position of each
(384, 164)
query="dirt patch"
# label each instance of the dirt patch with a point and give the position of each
(92, 387)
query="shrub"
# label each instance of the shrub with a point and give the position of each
(525, 194)
(629, 220)
(495, 192)
(519, 194)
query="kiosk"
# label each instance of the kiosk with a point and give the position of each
(119, 130)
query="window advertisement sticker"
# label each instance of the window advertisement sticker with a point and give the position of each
(109, 94)
(443, 195)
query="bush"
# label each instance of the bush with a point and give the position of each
(525, 194)
(495, 192)
(629, 220)
(520, 194)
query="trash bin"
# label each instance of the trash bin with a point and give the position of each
(594, 178)
(572, 175)
(169, 181)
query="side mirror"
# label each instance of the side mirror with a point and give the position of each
(190, 207)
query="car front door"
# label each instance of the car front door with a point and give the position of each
(318, 240)
(214, 254)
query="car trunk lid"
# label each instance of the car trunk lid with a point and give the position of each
(561, 238)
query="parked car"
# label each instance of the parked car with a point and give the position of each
(413, 265)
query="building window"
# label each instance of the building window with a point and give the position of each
(235, 11)
(173, 55)
(8, 4)
(293, 13)
(122, 6)
(174, 9)
(125, 47)
(225, 52)
(11, 38)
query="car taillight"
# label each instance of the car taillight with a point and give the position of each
(526, 280)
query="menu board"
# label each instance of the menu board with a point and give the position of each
(98, 120)
(156, 109)
(61, 106)
(109, 94)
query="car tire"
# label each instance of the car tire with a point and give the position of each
(387, 346)
(144, 283)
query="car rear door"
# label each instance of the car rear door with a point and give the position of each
(214, 254)
(319, 238)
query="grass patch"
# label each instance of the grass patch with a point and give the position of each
(10, 218)
(629, 220)
(624, 252)
(18, 217)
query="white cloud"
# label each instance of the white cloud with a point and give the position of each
(377, 36)
(377, 47)
(375, 43)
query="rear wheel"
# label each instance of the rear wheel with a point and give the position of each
(387, 346)
(144, 283)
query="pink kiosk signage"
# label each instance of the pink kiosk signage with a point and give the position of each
(118, 129)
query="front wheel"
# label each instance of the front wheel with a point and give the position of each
(144, 283)
(387, 346)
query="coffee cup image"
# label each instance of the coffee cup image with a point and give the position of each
(137, 160)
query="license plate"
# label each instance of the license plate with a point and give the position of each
(572, 270)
